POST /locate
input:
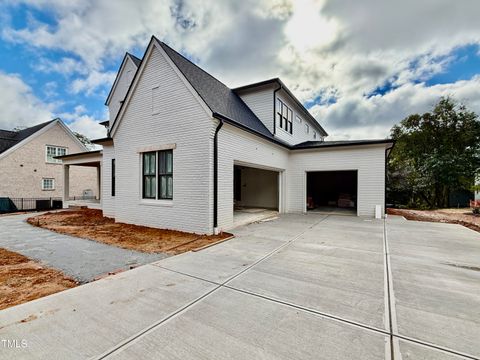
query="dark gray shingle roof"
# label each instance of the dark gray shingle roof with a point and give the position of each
(135, 59)
(11, 138)
(321, 144)
(218, 97)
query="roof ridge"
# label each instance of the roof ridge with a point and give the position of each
(191, 62)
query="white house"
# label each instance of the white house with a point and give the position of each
(184, 151)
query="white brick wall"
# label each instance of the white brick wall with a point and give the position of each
(368, 160)
(108, 201)
(184, 121)
(181, 121)
(22, 171)
(235, 145)
(123, 82)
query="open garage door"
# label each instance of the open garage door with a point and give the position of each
(255, 194)
(332, 191)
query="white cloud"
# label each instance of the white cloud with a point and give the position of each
(320, 48)
(92, 82)
(18, 105)
(373, 117)
(66, 66)
(81, 122)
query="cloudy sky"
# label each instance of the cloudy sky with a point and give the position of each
(359, 66)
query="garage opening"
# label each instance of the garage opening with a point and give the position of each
(255, 194)
(332, 191)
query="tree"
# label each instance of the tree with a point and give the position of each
(84, 140)
(435, 154)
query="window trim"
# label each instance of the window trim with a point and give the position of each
(48, 189)
(149, 175)
(285, 115)
(56, 147)
(158, 175)
(167, 175)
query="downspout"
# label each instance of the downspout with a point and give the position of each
(275, 108)
(215, 177)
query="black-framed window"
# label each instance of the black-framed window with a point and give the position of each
(113, 177)
(149, 175)
(158, 175)
(165, 174)
(284, 116)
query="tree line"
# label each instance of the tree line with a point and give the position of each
(436, 154)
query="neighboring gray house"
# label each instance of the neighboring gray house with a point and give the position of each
(29, 169)
(186, 152)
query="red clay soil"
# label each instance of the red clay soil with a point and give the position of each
(91, 224)
(463, 217)
(22, 280)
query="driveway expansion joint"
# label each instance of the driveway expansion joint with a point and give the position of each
(120, 346)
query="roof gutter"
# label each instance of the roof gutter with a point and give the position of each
(233, 123)
(275, 107)
(215, 177)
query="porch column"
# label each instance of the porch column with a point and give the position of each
(66, 185)
(99, 182)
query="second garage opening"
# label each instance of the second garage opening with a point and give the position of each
(332, 191)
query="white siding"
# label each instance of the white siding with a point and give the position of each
(237, 146)
(123, 82)
(108, 201)
(260, 101)
(299, 135)
(181, 120)
(368, 160)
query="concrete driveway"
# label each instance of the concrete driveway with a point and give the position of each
(300, 287)
(84, 260)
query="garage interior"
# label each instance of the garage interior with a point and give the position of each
(255, 194)
(332, 191)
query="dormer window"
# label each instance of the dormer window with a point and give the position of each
(284, 116)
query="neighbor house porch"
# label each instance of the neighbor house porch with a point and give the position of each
(87, 199)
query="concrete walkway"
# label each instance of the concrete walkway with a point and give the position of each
(299, 287)
(82, 259)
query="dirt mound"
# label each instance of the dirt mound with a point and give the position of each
(463, 217)
(91, 224)
(22, 280)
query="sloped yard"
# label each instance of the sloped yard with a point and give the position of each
(463, 216)
(22, 279)
(91, 224)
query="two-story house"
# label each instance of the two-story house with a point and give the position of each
(184, 151)
(29, 167)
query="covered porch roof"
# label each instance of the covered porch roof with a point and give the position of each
(87, 158)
